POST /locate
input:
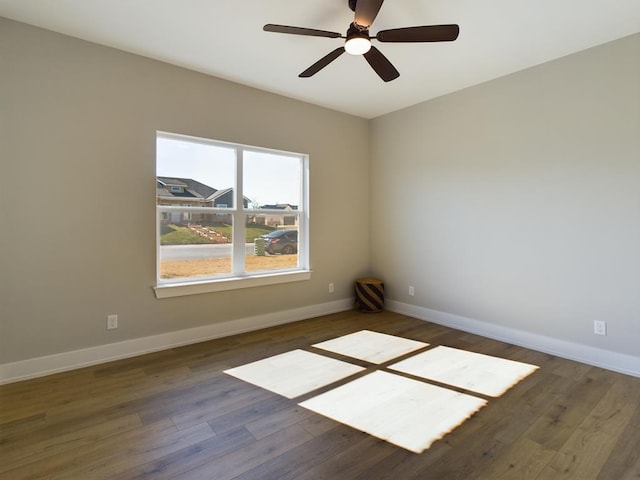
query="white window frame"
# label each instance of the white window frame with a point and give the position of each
(238, 278)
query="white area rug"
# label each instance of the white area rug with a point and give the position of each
(476, 372)
(294, 373)
(408, 413)
(372, 347)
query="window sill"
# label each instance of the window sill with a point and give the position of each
(169, 290)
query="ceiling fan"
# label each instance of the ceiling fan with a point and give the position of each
(358, 41)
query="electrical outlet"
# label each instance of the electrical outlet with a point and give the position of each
(112, 322)
(599, 327)
(331, 287)
(412, 291)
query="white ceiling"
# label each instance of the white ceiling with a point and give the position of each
(224, 38)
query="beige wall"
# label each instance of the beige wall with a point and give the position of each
(77, 199)
(517, 202)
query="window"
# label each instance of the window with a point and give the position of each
(238, 219)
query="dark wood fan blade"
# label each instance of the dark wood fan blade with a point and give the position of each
(427, 33)
(299, 31)
(323, 62)
(367, 11)
(381, 65)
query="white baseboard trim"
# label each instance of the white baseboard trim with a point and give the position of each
(598, 357)
(60, 362)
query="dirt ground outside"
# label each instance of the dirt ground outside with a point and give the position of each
(216, 266)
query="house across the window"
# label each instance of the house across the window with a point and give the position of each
(276, 218)
(174, 191)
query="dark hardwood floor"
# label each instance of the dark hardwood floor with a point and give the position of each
(175, 414)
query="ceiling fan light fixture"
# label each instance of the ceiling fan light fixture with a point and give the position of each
(358, 41)
(357, 44)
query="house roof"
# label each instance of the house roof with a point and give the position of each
(171, 182)
(192, 188)
(219, 193)
(280, 206)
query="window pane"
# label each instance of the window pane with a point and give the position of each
(194, 245)
(272, 180)
(195, 174)
(270, 248)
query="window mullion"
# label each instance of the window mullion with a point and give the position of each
(238, 219)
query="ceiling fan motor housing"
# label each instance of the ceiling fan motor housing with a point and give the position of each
(356, 30)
